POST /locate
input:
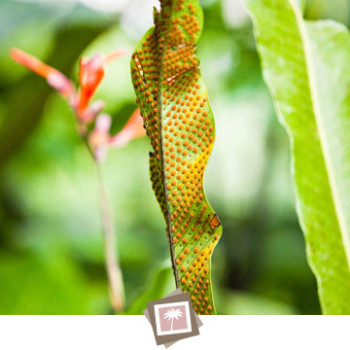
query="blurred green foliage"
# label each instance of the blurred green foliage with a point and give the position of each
(51, 249)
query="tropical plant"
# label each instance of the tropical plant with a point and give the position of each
(306, 66)
(93, 127)
(180, 125)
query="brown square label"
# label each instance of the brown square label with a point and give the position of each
(173, 318)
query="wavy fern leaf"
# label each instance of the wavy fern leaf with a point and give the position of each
(179, 122)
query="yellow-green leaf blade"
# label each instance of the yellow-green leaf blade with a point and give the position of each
(179, 122)
(307, 68)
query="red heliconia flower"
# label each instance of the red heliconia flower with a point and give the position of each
(91, 73)
(100, 139)
(55, 78)
(132, 130)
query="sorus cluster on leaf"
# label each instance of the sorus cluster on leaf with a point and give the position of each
(179, 122)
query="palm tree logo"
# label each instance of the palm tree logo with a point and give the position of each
(171, 315)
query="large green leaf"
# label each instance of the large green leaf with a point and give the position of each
(338, 10)
(307, 68)
(162, 284)
(179, 122)
(33, 285)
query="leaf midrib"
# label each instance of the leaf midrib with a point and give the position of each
(322, 135)
(160, 109)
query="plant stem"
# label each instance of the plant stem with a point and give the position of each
(114, 273)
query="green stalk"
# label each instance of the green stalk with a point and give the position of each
(114, 273)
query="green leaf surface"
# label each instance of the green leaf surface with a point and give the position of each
(162, 284)
(180, 124)
(338, 10)
(244, 303)
(307, 68)
(31, 285)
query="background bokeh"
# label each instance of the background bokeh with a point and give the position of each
(51, 247)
